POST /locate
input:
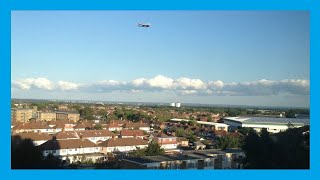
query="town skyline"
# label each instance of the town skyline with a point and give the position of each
(208, 57)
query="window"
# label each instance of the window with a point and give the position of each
(46, 152)
(63, 150)
(54, 151)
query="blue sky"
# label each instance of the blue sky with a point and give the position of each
(216, 57)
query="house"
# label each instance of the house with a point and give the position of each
(122, 145)
(139, 125)
(166, 142)
(132, 134)
(59, 125)
(115, 125)
(80, 127)
(64, 135)
(182, 142)
(72, 116)
(36, 137)
(72, 149)
(95, 136)
(33, 126)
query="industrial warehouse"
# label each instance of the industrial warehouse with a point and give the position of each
(273, 125)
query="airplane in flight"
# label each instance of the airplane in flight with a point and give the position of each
(145, 25)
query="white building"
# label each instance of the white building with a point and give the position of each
(96, 135)
(178, 104)
(166, 142)
(73, 149)
(33, 127)
(273, 125)
(217, 126)
(122, 145)
(139, 125)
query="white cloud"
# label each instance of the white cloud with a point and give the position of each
(63, 85)
(40, 83)
(186, 83)
(160, 82)
(184, 86)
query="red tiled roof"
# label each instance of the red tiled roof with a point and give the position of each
(95, 133)
(59, 122)
(66, 135)
(33, 136)
(66, 144)
(131, 133)
(32, 125)
(135, 125)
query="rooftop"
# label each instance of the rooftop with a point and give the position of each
(163, 158)
(270, 120)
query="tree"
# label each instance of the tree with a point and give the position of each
(97, 127)
(227, 142)
(285, 150)
(180, 132)
(154, 149)
(24, 155)
(191, 123)
(86, 113)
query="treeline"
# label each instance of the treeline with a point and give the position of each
(284, 150)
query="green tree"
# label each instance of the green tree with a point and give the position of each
(154, 149)
(285, 150)
(24, 155)
(227, 142)
(87, 113)
(191, 123)
(97, 127)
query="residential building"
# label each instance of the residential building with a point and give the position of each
(95, 136)
(59, 125)
(36, 137)
(182, 142)
(72, 149)
(22, 114)
(47, 116)
(122, 145)
(131, 134)
(33, 126)
(65, 135)
(138, 125)
(72, 116)
(166, 142)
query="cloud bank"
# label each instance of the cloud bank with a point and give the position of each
(183, 86)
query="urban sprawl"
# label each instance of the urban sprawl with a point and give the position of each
(51, 134)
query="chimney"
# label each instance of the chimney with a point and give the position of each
(113, 137)
(81, 137)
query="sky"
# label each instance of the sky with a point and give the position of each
(209, 57)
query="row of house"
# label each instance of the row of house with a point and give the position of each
(89, 143)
